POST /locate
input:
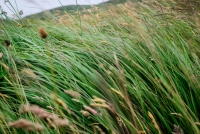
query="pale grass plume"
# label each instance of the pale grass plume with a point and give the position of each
(75, 100)
(54, 120)
(98, 100)
(3, 96)
(28, 72)
(61, 102)
(99, 105)
(40, 112)
(111, 107)
(27, 125)
(73, 93)
(141, 132)
(197, 123)
(108, 72)
(97, 16)
(99, 129)
(5, 67)
(91, 110)
(177, 114)
(61, 122)
(39, 98)
(85, 113)
(50, 107)
(8, 80)
(118, 93)
(197, 20)
(50, 122)
(177, 130)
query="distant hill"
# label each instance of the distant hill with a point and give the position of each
(71, 8)
(184, 7)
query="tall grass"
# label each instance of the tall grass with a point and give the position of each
(124, 70)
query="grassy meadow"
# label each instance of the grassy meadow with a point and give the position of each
(126, 68)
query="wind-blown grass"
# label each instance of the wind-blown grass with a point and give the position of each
(119, 71)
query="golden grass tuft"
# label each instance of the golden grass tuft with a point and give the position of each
(5, 67)
(99, 105)
(118, 93)
(141, 132)
(98, 100)
(99, 129)
(154, 122)
(61, 102)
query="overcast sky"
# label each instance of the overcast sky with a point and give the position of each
(33, 6)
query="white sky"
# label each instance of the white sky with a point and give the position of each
(34, 6)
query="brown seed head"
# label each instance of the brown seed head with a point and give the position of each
(7, 43)
(43, 33)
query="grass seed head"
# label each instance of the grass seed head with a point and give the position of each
(111, 107)
(75, 100)
(61, 102)
(177, 130)
(98, 100)
(40, 112)
(73, 93)
(141, 132)
(5, 67)
(99, 129)
(85, 113)
(54, 120)
(61, 122)
(27, 125)
(91, 110)
(28, 72)
(118, 92)
(154, 122)
(177, 114)
(99, 105)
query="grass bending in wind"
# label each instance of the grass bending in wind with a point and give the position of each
(123, 72)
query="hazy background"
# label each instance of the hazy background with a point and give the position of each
(34, 6)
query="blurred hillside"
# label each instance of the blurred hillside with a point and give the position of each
(182, 6)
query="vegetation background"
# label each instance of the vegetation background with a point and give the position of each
(127, 67)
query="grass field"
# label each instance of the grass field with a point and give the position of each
(130, 68)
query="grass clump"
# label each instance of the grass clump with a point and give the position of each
(121, 69)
